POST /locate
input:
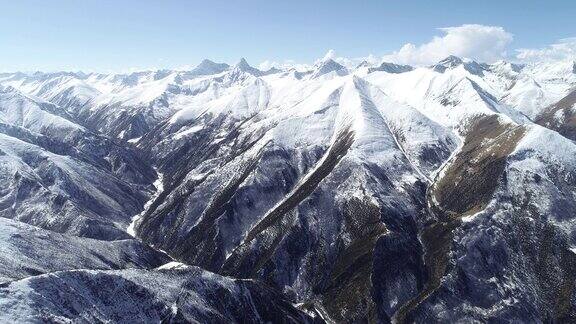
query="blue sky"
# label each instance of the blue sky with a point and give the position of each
(106, 35)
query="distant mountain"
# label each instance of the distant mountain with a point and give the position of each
(364, 64)
(328, 66)
(243, 66)
(452, 62)
(391, 68)
(207, 67)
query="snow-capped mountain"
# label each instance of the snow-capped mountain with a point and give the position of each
(385, 193)
(207, 67)
(391, 68)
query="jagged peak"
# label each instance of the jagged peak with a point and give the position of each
(209, 63)
(327, 62)
(207, 67)
(453, 61)
(363, 64)
(503, 64)
(449, 62)
(328, 65)
(391, 68)
(206, 61)
(243, 66)
(272, 70)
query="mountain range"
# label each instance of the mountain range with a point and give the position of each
(224, 193)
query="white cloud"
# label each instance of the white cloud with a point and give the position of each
(564, 49)
(479, 42)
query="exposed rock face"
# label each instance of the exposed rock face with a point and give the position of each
(561, 116)
(463, 187)
(391, 68)
(468, 182)
(441, 194)
(498, 256)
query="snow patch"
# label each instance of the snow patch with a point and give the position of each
(188, 131)
(159, 185)
(173, 265)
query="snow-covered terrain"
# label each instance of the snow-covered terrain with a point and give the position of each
(382, 193)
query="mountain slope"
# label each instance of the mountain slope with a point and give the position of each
(30, 251)
(59, 176)
(561, 116)
(181, 294)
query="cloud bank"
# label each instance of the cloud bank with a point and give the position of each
(565, 49)
(478, 42)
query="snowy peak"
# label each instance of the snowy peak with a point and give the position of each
(556, 72)
(247, 68)
(243, 63)
(452, 62)
(272, 70)
(363, 64)
(448, 63)
(506, 66)
(327, 66)
(207, 67)
(391, 68)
